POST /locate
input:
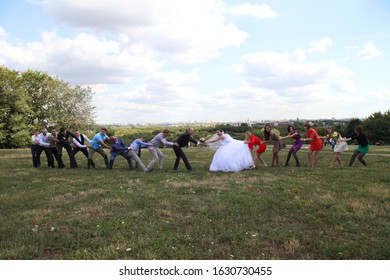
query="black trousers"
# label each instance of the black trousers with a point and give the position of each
(180, 155)
(49, 155)
(68, 148)
(57, 156)
(35, 158)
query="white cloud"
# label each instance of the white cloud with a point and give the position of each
(300, 55)
(163, 96)
(320, 46)
(170, 96)
(190, 31)
(259, 11)
(84, 59)
(370, 51)
(277, 72)
(274, 85)
(298, 88)
(3, 33)
(169, 87)
(271, 69)
(381, 96)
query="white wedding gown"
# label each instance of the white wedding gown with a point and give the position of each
(232, 156)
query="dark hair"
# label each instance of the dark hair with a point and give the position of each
(266, 133)
(62, 129)
(307, 125)
(103, 128)
(288, 128)
(358, 129)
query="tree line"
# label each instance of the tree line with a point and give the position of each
(33, 99)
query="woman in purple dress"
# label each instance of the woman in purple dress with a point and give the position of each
(296, 146)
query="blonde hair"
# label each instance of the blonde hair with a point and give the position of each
(248, 135)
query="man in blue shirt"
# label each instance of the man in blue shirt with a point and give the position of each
(134, 148)
(97, 145)
(118, 148)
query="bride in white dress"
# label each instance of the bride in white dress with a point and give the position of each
(232, 155)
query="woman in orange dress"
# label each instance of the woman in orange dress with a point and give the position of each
(315, 144)
(252, 140)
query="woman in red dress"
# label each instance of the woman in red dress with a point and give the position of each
(315, 144)
(252, 140)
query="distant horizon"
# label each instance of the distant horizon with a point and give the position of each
(232, 122)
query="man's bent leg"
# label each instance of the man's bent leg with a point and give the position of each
(112, 159)
(160, 158)
(90, 155)
(153, 154)
(134, 156)
(103, 154)
(128, 158)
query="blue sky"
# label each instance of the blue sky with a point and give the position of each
(211, 60)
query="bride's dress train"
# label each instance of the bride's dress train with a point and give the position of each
(232, 156)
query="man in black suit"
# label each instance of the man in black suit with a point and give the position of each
(64, 142)
(182, 141)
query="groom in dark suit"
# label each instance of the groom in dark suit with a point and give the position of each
(182, 141)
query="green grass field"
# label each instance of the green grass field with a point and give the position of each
(265, 213)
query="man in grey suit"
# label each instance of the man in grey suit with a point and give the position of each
(157, 142)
